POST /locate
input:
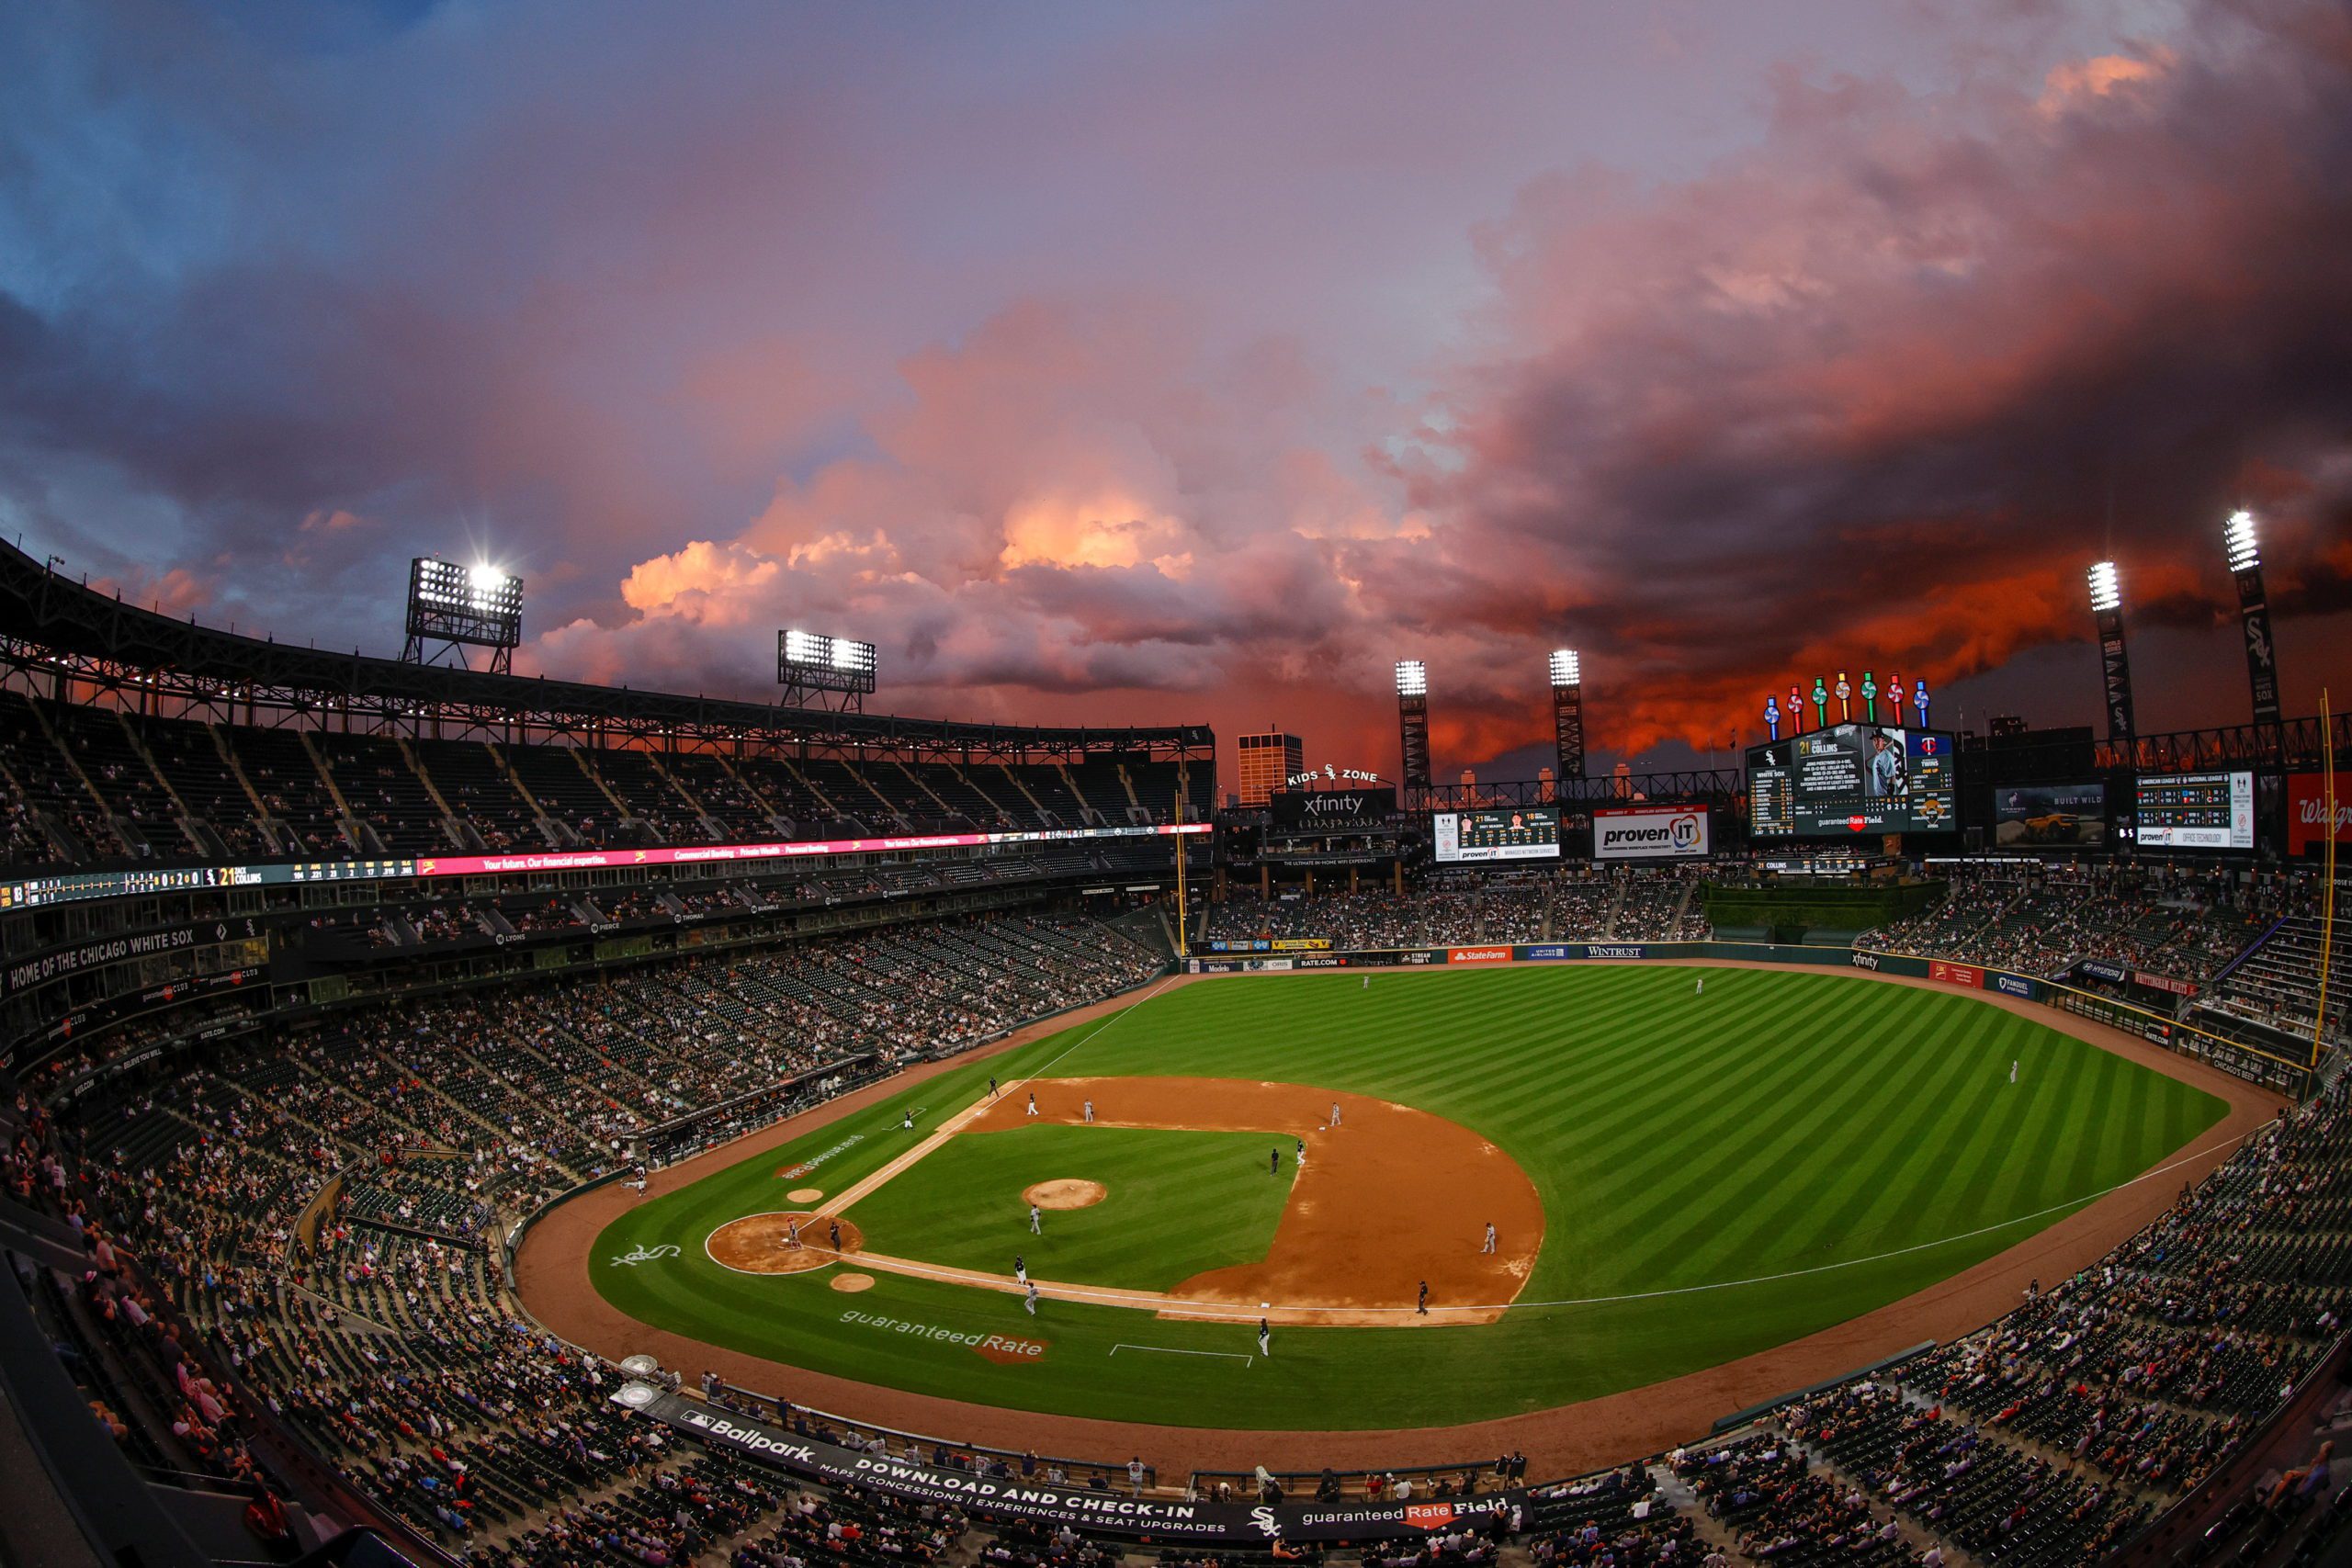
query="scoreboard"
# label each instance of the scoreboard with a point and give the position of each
(1851, 779)
(1524, 832)
(2196, 811)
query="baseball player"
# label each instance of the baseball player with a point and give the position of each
(1490, 1237)
(1335, 1114)
(1701, 989)
(1422, 1307)
(1299, 1159)
(1089, 1114)
(1020, 1267)
(2013, 1072)
(1273, 1162)
(1037, 1221)
(792, 1234)
(991, 1086)
(908, 1121)
(1033, 1102)
(1367, 982)
(1030, 1300)
(1265, 1339)
(834, 1232)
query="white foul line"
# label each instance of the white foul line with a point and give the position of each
(1172, 1350)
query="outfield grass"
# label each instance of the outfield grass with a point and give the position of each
(1721, 1173)
(1177, 1204)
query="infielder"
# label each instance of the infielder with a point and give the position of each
(835, 1231)
(1265, 1339)
(1020, 1267)
(1037, 1221)
(792, 1234)
(1490, 1237)
(1030, 1300)
(992, 1087)
(1033, 1102)
(1422, 1307)
(1089, 1114)
(1335, 1114)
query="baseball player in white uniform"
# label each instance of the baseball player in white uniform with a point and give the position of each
(1032, 1103)
(1089, 1114)
(1335, 1114)
(1037, 1221)
(1030, 1300)
(1490, 1237)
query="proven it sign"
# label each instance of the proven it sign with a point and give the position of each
(1651, 833)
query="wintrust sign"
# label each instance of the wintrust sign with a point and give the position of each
(1671, 833)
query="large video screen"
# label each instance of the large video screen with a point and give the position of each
(1523, 832)
(1851, 778)
(2030, 815)
(2196, 811)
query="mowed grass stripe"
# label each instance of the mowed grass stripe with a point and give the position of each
(1764, 1116)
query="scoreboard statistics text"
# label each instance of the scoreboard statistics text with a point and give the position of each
(2196, 811)
(1849, 779)
(1524, 832)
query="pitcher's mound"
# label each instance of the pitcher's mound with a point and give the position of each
(1065, 1192)
(852, 1282)
(759, 1244)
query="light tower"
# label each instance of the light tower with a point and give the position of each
(453, 607)
(1567, 712)
(2254, 614)
(1413, 724)
(2115, 664)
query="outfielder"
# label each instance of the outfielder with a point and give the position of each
(1701, 989)
(908, 1121)
(2013, 1072)
(1037, 1221)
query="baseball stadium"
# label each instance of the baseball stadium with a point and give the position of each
(1725, 1029)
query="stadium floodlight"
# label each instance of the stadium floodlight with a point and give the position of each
(1567, 714)
(2107, 590)
(2253, 616)
(1413, 728)
(457, 606)
(812, 667)
(2237, 535)
(2115, 662)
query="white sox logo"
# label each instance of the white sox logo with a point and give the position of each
(1265, 1520)
(641, 1253)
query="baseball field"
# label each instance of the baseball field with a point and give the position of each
(1676, 1179)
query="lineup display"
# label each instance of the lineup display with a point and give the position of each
(2196, 811)
(1526, 832)
(1851, 778)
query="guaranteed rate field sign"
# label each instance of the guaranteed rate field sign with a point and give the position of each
(1700, 1176)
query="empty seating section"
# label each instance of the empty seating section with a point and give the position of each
(565, 791)
(384, 792)
(279, 767)
(722, 796)
(480, 793)
(190, 759)
(2278, 984)
(789, 794)
(52, 815)
(142, 810)
(648, 795)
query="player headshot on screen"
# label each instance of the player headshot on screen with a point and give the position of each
(1886, 779)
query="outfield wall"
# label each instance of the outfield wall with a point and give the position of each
(1283, 955)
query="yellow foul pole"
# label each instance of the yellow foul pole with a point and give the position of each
(2327, 878)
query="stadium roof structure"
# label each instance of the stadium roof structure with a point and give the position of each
(66, 631)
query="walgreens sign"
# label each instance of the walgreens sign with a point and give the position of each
(2307, 811)
(1649, 832)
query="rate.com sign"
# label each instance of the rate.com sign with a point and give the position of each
(2307, 812)
(1650, 832)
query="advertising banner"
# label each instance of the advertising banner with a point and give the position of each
(1650, 832)
(2017, 985)
(1956, 974)
(2307, 812)
(1548, 952)
(1478, 955)
(2156, 982)
(1167, 1520)
(1615, 950)
(1335, 809)
(2099, 969)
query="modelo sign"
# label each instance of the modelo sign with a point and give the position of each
(1650, 832)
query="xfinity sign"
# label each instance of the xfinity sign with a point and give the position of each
(1652, 832)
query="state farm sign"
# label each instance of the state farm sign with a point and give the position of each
(1649, 832)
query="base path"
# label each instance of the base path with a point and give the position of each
(1391, 1197)
(552, 1274)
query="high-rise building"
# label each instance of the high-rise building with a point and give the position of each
(1267, 763)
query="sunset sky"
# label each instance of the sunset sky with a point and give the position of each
(1192, 361)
